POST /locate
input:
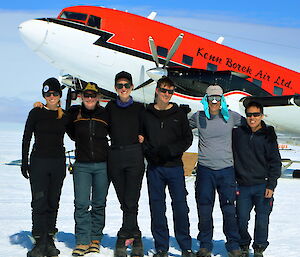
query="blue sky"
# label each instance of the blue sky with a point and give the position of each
(280, 13)
(266, 29)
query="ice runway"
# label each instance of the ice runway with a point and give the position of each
(15, 212)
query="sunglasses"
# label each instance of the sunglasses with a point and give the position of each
(214, 97)
(164, 90)
(121, 85)
(47, 94)
(255, 114)
(91, 95)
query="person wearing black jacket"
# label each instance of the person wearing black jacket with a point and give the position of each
(167, 135)
(257, 164)
(47, 168)
(88, 127)
(126, 161)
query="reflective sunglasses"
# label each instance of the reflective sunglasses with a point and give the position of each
(121, 85)
(214, 97)
(255, 114)
(91, 95)
(47, 94)
(164, 90)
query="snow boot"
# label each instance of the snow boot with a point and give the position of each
(258, 252)
(137, 247)
(120, 249)
(188, 253)
(39, 247)
(80, 250)
(94, 246)
(245, 250)
(161, 253)
(51, 250)
(235, 253)
(203, 252)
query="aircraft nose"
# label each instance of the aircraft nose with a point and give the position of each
(34, 32)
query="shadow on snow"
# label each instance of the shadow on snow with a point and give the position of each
(24, 239)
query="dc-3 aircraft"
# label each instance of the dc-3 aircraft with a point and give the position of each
(89, 43)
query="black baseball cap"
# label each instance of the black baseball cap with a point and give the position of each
(123, 75)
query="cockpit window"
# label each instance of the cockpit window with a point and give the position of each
(94, 21)
(73, 16)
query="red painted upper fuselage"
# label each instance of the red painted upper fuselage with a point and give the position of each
(132, 32)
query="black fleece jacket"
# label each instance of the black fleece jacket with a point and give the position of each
(89, 129)
(256, 156)
(48, 134)
(167, 135)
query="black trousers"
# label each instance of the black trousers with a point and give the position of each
(126, 170)
(46, 180)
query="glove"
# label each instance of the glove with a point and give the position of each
(185, 107)
(164, 153)
(25, 170)
(152, 157)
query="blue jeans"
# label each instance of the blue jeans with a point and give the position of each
(90, 191)
(173, 177)
(207, 182)
(249, 197)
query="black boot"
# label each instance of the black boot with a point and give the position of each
(258, 252)
(39, 247)
(120, 249)
(137, 247)
(51, 250)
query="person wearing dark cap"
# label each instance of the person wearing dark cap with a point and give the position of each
(47, 167)
(257, 164)
(88, 127)
(126, 162)
(215, 170)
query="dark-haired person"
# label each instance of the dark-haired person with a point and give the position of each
(126, 161)
(88, 127)
(215, 171)
(167, 135)
(257, 165)
(47, 167)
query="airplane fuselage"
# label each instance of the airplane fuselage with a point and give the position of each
(115, 40)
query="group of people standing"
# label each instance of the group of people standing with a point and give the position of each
(161, 132)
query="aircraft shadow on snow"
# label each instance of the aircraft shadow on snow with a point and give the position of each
(23, 238)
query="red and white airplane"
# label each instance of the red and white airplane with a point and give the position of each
(94, 43)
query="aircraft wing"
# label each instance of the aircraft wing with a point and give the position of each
(282, 112)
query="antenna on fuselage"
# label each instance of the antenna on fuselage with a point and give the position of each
(220, 40)
(152, 15)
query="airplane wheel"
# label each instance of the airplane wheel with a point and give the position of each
(296, 174)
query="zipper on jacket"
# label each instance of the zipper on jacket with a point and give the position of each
(161, 124)
(91, 138)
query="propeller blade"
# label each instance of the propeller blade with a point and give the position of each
(173, 49)
(153, 51)
(147, 82)
(69, 99)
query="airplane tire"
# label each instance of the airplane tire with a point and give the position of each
(296, 174)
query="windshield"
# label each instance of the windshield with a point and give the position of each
(73, 16)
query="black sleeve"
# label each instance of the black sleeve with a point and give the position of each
(108, 111)
(141, 116)
(72, 116)
(27, 135)
(185, 141)
(273, 159)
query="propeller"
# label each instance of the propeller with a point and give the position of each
(158, 72)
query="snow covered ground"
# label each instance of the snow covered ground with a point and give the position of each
(15, 212)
